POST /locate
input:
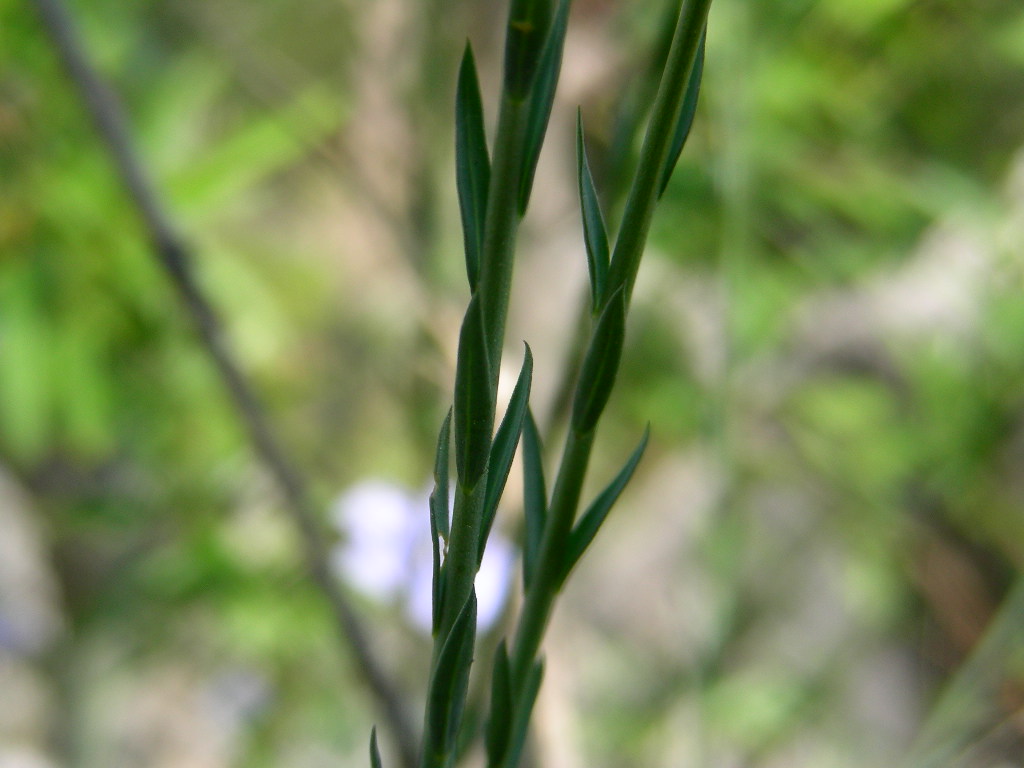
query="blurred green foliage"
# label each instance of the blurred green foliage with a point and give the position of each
(833, 139)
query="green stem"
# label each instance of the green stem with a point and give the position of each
(643, 195)
(500, 227)
(501, 224)
(547, 579)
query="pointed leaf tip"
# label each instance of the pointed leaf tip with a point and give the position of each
(595, 234)
(473, 412)
(586, 529)
(503, 450)
(375, 761)
(472, 163)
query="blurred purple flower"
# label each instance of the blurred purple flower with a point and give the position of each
(386, 552)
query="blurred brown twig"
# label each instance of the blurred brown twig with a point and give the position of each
(176, 258)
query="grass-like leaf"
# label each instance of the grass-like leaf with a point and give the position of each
(686, 115)
(595, 235)
(375, 761)
(451, 679)
(601, 364)
(504, 448)
(597, 512)
(474, 400)
(439, 501)
(524, 708)
(499, 725)
(437, 572)
(472, 164)
(534, 497)
(541, 98)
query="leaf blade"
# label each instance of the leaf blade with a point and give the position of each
(503, 449)
(686, 115)
(473, 411)
(375, 761)
(541, 99)
(472, 163)
(586, 529)
(450, 681)
(534, 497)
(595, 234)
(600, 365)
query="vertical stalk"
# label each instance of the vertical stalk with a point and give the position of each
(643, 194)
(625, 263)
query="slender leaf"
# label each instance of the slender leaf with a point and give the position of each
(472, 164)
(375, 761)
(451, 679)
(474, 400)
(499, 725)
(542, 96)
(439, 500)
(521, 720)
(595, 235)
(534, 497)
(600, 365)
(504, 448)
(686, 114)
(437, 572)
(596, 513)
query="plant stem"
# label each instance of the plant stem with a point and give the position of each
(643, 194)
(628, 250)
(547, 578)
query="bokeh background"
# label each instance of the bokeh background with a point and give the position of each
(827, 339)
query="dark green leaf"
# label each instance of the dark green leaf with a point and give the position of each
(595, 235)
(596, 513)
(451, 679)
(534, 497)
(686, 114)
(437, 573)
(504, 448)
(439, 500)
(499, 724)
(524, 708)
(601, 364)
(472, 164)
(374, 752)
(474, 399)
(527, 32)
(541, 98)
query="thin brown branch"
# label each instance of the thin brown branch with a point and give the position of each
(176, 259)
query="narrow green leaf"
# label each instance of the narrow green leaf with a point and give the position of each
(534, 497)
(504, 448)
(595, 235)
(527, 32)
(472, 164)
(541, 98)
(437, 573)
(474, 401)
(439, 500)
(601, 364)
(686, 114)
(499, 725)
(450, 680)
(524, 708)
(374, 752)
(596, 513)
